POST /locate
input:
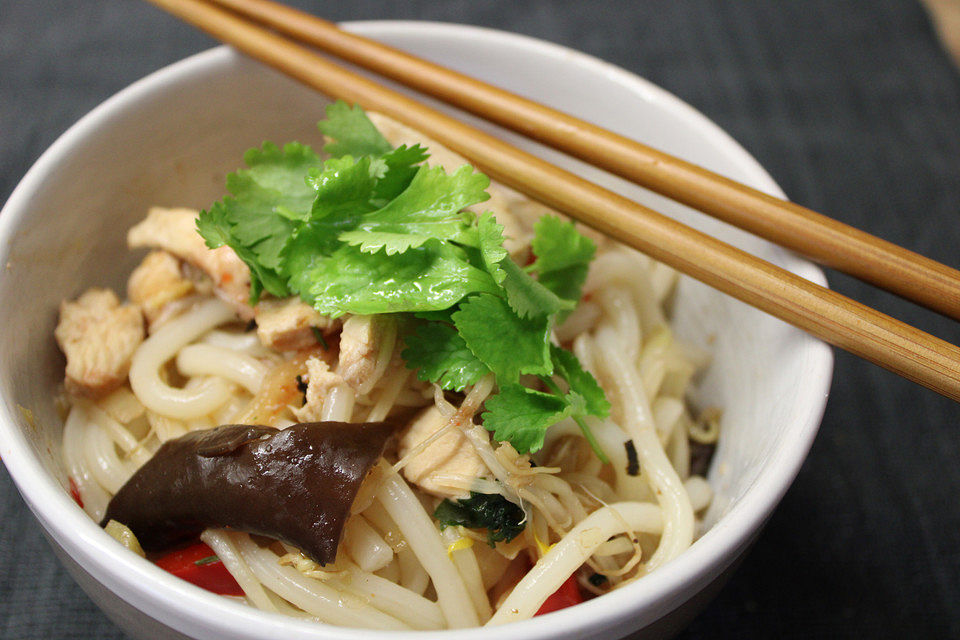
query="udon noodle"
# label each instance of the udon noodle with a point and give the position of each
(605, 524)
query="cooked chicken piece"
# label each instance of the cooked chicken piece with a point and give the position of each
(449, 455)
(320, 380)
(175, 231)
(502, 198)
(289, 324)
(98, 336)
(366, 347)
(155, 282)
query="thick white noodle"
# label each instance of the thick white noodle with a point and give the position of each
(100, 455)
(424, 540)
(412, 574)
(163, 345)
(248, 343)
(119, 434)
(391, 598)
(365, 546)
(391, 572)
(210, 360)
(466, 562)
(165, 428)
(629, 269)
(573, 550)
(338, 405)
(614, 546)
(619, 310)
(313, 596)
(666, 413)
(678, 449)
(92, 495)
(223, 546)
(678, 513)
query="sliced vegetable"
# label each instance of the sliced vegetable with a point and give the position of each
(295, 485)
(566, 596)
(502, 519)
(199, 565)
(75, 492)
(122, 534)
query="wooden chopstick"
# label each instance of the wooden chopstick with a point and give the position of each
(823, 239)
(825, 314)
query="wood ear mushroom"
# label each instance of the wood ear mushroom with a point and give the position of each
(295, 484)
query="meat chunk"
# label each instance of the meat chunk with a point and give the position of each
(98, 336)
(155, 282)
(175, 231)
(449, 455)
(366, 347)
(320, 381)
(289, 324)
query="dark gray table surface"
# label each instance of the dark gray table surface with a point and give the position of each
(852, 107)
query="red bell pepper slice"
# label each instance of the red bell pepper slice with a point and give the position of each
(75, 492)
(566, 596)
(199, 565)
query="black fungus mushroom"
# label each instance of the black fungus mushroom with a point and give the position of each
(295, 485)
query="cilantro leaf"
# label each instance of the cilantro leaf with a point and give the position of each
(508, 344)
(317, 229)
(440, 355)
(255, 221)
(491, 245)
(521, 416)
(400, 166)
(352, 132)
(580, 381)
(436, 316)
(502, 519)
(558, 245)
(528, 297)
(213, 225)
(563, 256)
(430, 208)
(344, 189)
(278, 177)
(427, 278)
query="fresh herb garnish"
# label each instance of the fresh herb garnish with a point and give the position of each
(563, 257)
(502, 519)
(318, 336)
(373, 230)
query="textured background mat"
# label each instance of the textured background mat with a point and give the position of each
(853, 108)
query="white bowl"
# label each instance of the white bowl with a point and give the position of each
(171, 138)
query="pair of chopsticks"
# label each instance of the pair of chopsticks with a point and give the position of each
(252, 25)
